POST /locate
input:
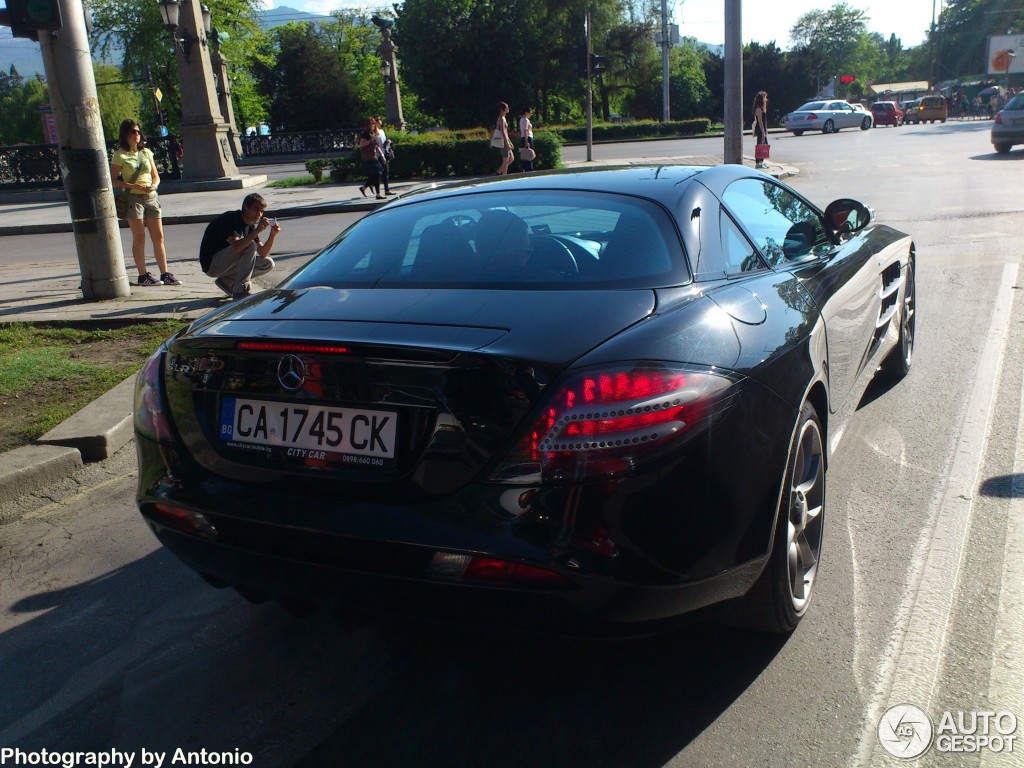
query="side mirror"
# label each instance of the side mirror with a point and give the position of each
(846, 217)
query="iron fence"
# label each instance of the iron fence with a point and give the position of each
(37, 166)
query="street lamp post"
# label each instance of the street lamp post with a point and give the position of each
(205, 132)
(389, 73)
(220, 73)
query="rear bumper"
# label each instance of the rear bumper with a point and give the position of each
(596, 607)
(1008, 136)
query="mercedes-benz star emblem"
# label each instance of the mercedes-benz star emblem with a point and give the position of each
(291, 372)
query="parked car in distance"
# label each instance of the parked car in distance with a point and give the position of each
(582, 400)
(1008, 126)
(828, 117)
(927, 109)
(887, 113)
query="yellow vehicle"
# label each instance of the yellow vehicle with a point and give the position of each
(927, 109)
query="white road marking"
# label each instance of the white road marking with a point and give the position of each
(910, 665)
(1006, 680)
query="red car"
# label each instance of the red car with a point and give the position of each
(887, 113)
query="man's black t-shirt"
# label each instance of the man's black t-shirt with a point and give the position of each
(215, 238)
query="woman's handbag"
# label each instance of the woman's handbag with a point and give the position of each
(498, 139)
(121, 199)
(762, 151)
(527, 153)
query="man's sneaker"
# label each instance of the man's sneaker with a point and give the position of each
(148, 279)
(168, 278)
(246, 292)
(224, 284)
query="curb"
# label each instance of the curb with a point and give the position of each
(101, 428)
(32, 467)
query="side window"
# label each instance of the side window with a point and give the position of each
(783, 227)
(740, 255)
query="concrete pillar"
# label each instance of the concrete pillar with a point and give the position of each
(205, 133)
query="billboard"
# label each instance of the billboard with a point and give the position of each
(999, 60)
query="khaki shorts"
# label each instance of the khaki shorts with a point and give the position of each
(137, 206)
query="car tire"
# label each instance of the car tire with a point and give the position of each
(897, 363)
(828, 127)
(798, 133)
(781, 595)
(865, 124)
(1002, 149)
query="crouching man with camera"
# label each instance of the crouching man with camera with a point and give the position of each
(232, 251)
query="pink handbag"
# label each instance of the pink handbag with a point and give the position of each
(761, 151)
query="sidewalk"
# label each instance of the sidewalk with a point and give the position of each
(47, 293)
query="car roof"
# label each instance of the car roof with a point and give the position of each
(664, 184)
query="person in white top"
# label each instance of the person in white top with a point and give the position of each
(501, 127)
(385, 164)
(526, 140)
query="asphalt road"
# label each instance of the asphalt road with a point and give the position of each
(106, 641)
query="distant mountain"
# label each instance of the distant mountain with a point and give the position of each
(275, 17)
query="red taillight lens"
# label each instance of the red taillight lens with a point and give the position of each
(150, 419)
(812, 116)
(602, 423)
(180, 519)
(999, 118)
(494, 572)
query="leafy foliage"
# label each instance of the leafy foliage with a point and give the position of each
(20, 100)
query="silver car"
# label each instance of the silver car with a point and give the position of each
(827, 117)
(1008, 127)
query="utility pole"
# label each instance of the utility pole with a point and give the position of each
(733, 83)
(83, 155)
(665, 111)
(590, 95)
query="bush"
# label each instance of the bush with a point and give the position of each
(640, 129)
(449, 153)
(315, 168)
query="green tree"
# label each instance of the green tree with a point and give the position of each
(835, 34)
(120, 100)
(135, 31)
(308, 87)
(20, 102)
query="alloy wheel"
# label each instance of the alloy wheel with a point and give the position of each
(806, 504)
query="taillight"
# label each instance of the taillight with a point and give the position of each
(812, 116)
(999, 118)
(150, 419)
(601, 423)
(494, 572)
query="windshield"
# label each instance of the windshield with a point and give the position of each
(509, 239)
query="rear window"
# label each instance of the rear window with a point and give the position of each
(1017, 102)
(885, 107)
(509, 239)
(811, 105)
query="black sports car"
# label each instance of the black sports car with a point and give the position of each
(588, 401)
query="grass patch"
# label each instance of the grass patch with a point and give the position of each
(297, 181)
(49, 372)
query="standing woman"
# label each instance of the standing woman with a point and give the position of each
(133, 171)
(371, 154)
(506, 151)
(760, 121)
(526, 141)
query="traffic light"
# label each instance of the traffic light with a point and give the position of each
(27, 17)
(579, 60)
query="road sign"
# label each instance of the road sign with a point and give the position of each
(158, 94)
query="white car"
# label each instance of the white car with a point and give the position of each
(827, 117)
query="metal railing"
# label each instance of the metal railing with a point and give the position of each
(37, 166)
(300, 143)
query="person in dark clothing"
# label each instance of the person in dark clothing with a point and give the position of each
(371, 154)
(231, 250)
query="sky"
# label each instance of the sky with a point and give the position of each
(763, 20)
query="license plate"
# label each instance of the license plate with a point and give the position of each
(307, 431)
